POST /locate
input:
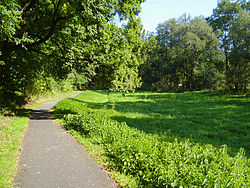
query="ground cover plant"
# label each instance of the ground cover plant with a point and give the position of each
(193, 139)
(12, 127)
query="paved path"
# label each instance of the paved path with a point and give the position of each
(51, 157)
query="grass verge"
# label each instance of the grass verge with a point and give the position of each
(12, 127)
(191, 139)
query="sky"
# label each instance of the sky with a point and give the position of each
(158, 11)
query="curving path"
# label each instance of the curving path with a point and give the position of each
(51, 157)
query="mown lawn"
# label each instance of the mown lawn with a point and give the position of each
(190, 124)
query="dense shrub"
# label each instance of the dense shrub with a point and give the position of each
(159, 162)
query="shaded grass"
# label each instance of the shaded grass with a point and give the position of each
(12, 127)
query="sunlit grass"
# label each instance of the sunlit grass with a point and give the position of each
(202, 117)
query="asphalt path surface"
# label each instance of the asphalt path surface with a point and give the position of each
(51, 157)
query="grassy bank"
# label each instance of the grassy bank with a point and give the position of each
(157, 140)
(12, 127)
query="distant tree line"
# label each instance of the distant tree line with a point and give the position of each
(200, 53)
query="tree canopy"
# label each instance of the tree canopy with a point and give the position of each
(186, 53)
(230, 20)
(52, 38)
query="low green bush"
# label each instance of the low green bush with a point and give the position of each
(156, 161)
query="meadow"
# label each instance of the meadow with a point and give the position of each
(164, 139)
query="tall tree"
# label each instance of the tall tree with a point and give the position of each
(221, 19)
(224, 20)
(240, 53)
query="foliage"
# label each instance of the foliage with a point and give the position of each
(230, 19)
(41, 39)
(124, 76)
(239, 55)
(188, 56)
(120, 58)
(185, 57)
(165, 140)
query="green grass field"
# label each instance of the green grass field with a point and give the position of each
(190, 124)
